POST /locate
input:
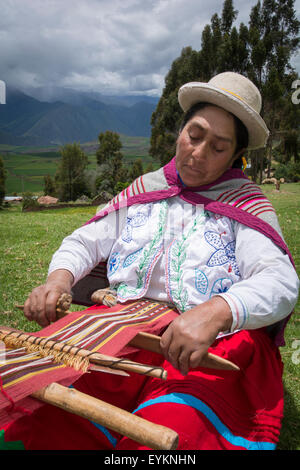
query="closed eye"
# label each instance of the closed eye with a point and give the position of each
(194, 138)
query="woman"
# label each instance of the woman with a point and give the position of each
(199, 235)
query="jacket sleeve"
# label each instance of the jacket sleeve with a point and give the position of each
(269, 285)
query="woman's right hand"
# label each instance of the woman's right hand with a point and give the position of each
(41, 303)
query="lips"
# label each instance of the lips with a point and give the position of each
(193, 169)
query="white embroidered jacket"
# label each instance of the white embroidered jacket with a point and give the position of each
(176, 252)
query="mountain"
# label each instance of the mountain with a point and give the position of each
(74, 117)
(51, 94)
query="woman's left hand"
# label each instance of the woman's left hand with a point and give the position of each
(188, 337)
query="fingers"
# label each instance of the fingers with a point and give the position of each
(174, 351)
(182, 351)
(50, 305)
(183, 361)
(165, 341)
(41, 305)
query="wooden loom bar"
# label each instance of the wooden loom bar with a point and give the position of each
(146, 340)
(93, 357)
(152, 343)
(149, 434)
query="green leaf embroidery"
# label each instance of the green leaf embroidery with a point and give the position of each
(178, 257)
(147, 255)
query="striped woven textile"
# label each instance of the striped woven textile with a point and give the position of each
(248, 197)
(97, 329)
(136, 188)
(233, 189)
(110, 332)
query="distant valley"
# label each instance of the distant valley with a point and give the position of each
(26, 166)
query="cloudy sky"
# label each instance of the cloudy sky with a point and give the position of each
(109, 46)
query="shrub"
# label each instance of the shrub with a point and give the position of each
(29, 200)
(289, 171)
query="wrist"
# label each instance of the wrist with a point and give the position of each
(62, 279)
(221, 313)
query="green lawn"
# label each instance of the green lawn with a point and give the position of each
(287, 205)
(28, 240)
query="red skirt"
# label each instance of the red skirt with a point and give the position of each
(209, 409)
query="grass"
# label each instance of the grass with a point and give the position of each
(28, 240)
(287, 205)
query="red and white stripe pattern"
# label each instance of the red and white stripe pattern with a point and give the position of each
(136, 188)
(248, 197)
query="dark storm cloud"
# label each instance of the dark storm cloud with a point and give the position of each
(104, 45)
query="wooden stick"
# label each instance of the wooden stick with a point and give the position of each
(151, 435)
(94, 357)
(152, 343)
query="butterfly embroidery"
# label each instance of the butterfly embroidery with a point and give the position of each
(223, 253)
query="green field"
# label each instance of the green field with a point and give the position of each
(27, 166)
(28, 240)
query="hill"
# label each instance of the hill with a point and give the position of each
(75, 117)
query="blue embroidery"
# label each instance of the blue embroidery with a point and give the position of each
(131, 258)
(201, 281)
(113, 263)
(138, 220)
(221, 285)
(223, 254)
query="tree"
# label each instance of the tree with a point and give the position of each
(291, 145)
(229, 14)
(109, 147)
(166, 118)
(70, 173)
(2, 181)
(109, 153)
(110, 161)
(273, 39)
(149, 168)
(136, 169)
(105, 181)
(49, 186)
(219, 49)
(262, 51)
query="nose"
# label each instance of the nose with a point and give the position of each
(200, 150)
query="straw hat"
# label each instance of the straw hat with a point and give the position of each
(234, 93)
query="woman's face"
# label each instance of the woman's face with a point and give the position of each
(206, 146)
